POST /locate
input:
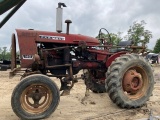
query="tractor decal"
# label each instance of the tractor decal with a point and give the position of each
(52, 37)
(27, 57)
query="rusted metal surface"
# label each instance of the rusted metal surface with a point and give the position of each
(135, 82)
(14, 71)
(36, 98)
(66, 56)
(57, 66)
(13, 52)
(86, 65)
(132, 81)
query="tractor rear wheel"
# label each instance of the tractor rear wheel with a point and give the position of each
(95, 81)
(35, 97)
(130, 81)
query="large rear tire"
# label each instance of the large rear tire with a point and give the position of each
(35, 97)
(130, 81)
(95, 81)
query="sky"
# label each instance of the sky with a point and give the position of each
(87, 16)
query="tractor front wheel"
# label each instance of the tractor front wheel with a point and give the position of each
(35, 97)
(130, 81)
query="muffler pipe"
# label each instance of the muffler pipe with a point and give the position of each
(59, 17)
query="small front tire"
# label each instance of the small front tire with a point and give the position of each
(35, 97)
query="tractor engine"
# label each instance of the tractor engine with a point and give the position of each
(55, 58)
(51, 56)
(79, 57)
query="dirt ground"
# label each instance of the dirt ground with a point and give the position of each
(76, 107)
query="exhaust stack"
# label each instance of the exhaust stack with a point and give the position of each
(59, 17)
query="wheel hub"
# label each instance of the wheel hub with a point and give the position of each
(36, 98)
(132, 81)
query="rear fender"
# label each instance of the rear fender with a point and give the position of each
(113, 57)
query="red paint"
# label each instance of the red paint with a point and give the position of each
(85, 65)
(28, 39)
(113, 57)
(27, 46)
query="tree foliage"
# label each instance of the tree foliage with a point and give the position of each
(4, 54)
(157, 47)
(137, 33)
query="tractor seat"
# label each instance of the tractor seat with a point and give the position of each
(123, 44)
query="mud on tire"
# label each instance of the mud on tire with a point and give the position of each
(130, 81)
(35, 97)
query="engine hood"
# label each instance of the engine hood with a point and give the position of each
(53, 37)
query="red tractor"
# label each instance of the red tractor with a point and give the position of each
(119, 70)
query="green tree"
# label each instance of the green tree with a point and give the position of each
(115, 38)
(157, 47)
(137, 33)
(5, 54)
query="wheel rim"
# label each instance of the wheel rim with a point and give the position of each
(135, 82)
(36, 98)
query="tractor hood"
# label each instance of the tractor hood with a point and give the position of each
(54, 37)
